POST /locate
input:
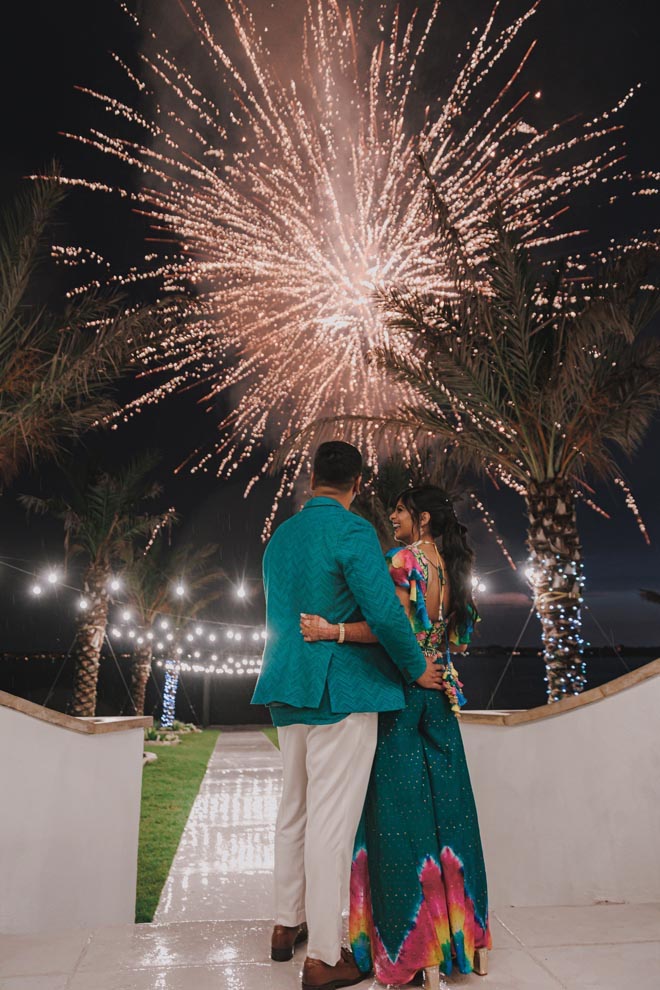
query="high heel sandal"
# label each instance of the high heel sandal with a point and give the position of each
(480, 964)
(433, 980)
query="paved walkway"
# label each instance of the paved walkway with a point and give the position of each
(212, 928)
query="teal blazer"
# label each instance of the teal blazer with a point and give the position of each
(327, 561)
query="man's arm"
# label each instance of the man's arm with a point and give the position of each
(368, 577)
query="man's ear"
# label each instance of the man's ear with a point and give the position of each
(357, 485)
(312, 482)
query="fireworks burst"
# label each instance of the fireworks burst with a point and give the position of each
(288, 203)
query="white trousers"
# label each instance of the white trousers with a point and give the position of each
(326, 773)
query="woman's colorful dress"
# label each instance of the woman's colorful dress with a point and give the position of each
(418, 881)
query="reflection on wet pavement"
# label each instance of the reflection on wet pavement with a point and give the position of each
(223, 866)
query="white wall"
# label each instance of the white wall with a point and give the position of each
(569, 806)
(69, 820)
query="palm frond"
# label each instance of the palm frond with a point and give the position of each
(55, 367)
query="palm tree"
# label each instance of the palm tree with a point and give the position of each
(149, 576)
(534, 378)
(537, 379)
(54, 368)
(103, 517)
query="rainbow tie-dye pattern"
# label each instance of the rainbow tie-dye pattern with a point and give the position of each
(444, 932)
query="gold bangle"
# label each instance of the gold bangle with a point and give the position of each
(342, 633)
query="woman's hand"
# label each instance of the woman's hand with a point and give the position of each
(315, 627)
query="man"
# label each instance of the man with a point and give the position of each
(324, 698)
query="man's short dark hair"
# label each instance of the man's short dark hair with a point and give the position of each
(337, 464)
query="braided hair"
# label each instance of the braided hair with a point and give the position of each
(457, 554)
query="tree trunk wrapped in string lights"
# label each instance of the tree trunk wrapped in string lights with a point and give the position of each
(172, 670)
(555, 574)
(90, 635)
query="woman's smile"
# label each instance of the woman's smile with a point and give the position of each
(402, 523)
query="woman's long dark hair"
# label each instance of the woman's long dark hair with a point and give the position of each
(457, 554)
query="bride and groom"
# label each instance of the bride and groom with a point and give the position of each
(376, 799)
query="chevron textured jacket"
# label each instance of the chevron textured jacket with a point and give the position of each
(327, 561)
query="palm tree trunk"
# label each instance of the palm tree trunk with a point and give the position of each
(89, 641)
(140, 675)
(557, 582)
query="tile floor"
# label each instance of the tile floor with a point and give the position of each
(212, 929)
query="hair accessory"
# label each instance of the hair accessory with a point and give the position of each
(342, 633)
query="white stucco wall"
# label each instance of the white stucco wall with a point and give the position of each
(69, 820)
(569, 807)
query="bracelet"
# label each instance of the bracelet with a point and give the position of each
(342, 633)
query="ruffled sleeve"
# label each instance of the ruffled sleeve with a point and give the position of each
(406, 573)
(461, 635)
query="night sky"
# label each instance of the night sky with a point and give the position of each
(589, 54)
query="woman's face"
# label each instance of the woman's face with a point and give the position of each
(403, 525)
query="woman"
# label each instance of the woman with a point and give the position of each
(418, 882)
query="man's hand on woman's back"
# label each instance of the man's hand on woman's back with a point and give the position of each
(432, 676)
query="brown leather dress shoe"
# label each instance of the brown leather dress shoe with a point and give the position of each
(284, 940)
(317, 975)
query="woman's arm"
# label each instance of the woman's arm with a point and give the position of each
(315, 627)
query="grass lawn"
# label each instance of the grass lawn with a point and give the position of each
(169, 787)
(271, 732)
